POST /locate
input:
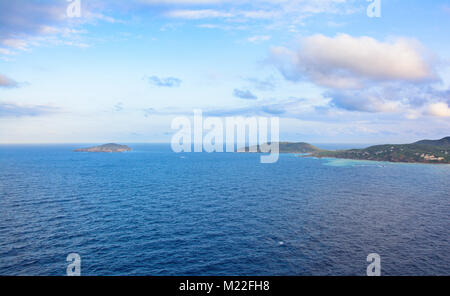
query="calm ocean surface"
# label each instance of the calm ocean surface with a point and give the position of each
(154, 212)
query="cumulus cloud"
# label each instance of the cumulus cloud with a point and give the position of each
(352, 62)
(440, 109)
(364, 74)
(244, 94)
(164, 82)
(17, 110)
(7, 82)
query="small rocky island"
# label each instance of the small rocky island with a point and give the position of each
(106, 148)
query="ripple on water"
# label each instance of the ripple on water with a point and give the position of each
(153, 212)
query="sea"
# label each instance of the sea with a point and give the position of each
(154, 212)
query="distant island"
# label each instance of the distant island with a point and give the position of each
(426, 151)
(287, 147)
(106, 148)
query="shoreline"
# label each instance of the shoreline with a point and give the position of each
(372, 160)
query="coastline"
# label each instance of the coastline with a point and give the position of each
(372, 160)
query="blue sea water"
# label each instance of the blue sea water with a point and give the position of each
(155, 212)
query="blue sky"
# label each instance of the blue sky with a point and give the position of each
(124, 69)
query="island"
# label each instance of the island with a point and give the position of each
(425, 151)
(106, 148)
(287, 147)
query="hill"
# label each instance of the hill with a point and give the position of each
(426, 151)
(288, 147)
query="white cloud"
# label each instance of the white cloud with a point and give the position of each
(7, 82)
(439, 110)
(198, 14)
(15, 43)
(413, 101)
(259, 38)
(20, 110)
(366, 75)
(22, 21)
(22, 17)
(236, 15)
(285, 11)
(350, 62)
(5, 51)
(76, 44)
(260, 14)
(25, 23)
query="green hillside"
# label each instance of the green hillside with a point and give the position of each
(426, 151)
(287, 147)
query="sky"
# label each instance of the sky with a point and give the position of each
(121, 71)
